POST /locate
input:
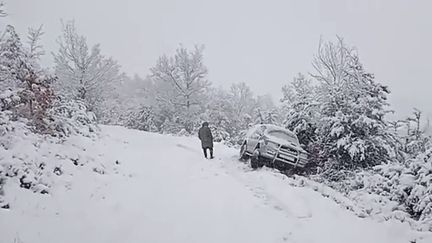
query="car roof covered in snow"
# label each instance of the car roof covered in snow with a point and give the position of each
(270, 127)
(278, 128)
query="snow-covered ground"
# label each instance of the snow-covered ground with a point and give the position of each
(163, 190)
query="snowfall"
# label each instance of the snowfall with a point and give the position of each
(131, 186)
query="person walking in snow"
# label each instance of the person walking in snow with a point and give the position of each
(206, 137)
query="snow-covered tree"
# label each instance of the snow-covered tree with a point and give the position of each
(416, 139)
(242, 99)
(83, 72)
(22, 75)
(11, 55)
(259, 116)
(35, 50)
(266, 111)
(183, 76)
(301, 109)
(179, 86)
(217, 113)
(272, 117)
(353, 131)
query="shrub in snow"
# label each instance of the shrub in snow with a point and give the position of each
(16, 163)
(219, 134)
(9, 99)
(35, 161)
(71, 117)
(29, 114)
(142, 118)
(419, 176)
(393, 190)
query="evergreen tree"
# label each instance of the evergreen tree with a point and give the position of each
(272, 117)
(416, 140)
(353, 131)
(22, 75)
(301, 109)
(259, 117)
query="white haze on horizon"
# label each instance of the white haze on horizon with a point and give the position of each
(264, 44)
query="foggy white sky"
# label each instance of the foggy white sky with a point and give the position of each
(263, 43)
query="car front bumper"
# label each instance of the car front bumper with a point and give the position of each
(284, 158)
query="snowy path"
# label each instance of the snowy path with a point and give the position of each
(165, 191)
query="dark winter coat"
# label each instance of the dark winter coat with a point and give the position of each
(206, 137)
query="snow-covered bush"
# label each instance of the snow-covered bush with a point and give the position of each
(8, 99)
(20, 165)
(32, 160)
(142, 118)
(219, 134)
(419, 201)
(31, 118)
(6, 126)
(68, 117)
(392, 190)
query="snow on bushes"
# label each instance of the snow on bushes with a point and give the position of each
(32, 119)
(70, 117)
(364, 202)
(26, 151)
(401, 191)
(41, 162)
(141, 118)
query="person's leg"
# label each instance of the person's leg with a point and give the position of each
(205, 152)
(211, 153)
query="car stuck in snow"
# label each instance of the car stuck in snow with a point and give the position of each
(273, 146)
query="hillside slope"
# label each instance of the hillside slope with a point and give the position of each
(156, 188)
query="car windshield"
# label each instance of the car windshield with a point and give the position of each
(283, 135)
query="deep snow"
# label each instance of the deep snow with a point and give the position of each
(163, 190)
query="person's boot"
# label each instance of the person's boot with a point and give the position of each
(211, 154)
(205, 152)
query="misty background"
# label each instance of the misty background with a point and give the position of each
(277, 85)
(262, 43)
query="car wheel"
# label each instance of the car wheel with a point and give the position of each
(243, 155)
(255, 160)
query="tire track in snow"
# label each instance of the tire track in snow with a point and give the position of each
(242, 173)
(258, 191)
